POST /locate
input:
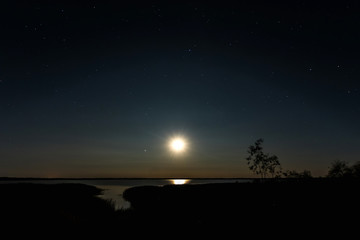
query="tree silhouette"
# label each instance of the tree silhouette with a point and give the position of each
(260, 163)
(339, 169)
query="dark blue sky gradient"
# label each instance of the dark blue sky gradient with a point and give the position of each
(95, 89)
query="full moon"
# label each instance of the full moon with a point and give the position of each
(177, 144)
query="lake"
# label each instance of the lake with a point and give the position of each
(114, 188)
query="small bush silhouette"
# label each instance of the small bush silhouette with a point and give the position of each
(295, 174)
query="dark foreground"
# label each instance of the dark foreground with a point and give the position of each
(282, 209)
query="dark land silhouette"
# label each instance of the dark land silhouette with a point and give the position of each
(263, 207)
(53, 210)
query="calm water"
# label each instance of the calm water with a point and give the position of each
(114, 188)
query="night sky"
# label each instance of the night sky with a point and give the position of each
(97, 88)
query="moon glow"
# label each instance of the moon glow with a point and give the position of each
(178, 144)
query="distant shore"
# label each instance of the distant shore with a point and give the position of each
(115, 178)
